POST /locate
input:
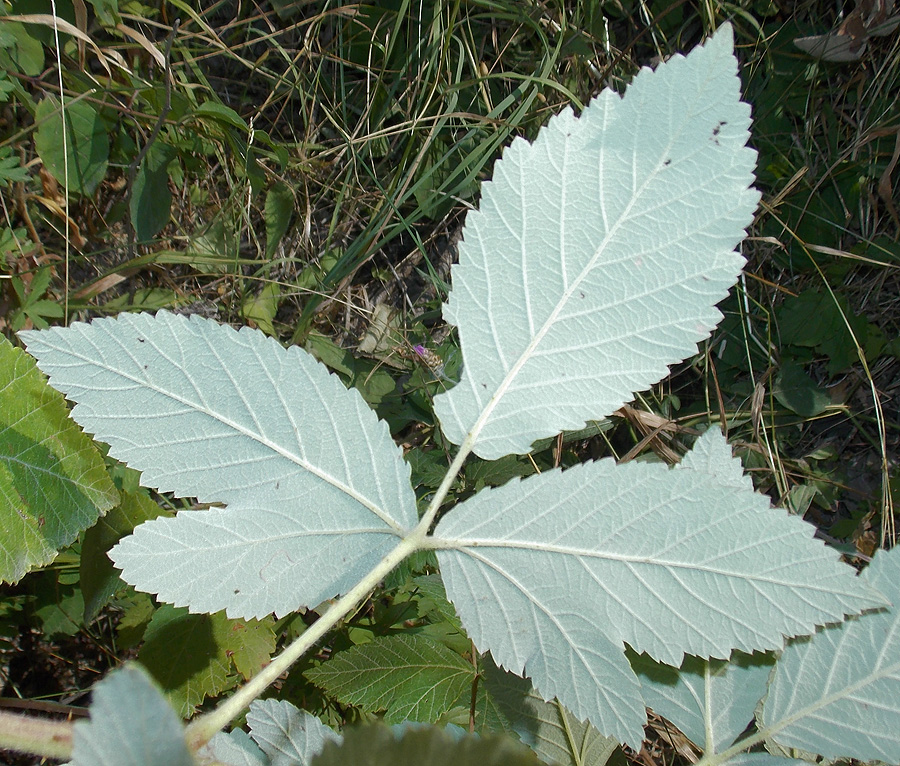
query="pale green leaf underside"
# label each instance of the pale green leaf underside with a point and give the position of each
(308, 472)
(553, 573)
(409, 677)
(554, 734)
(53, 480)
(131, 725)
(838, 693)
(711, 701)
(599, 252)
(235, 748)
(287, 735)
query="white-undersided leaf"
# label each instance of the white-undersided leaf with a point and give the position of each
(551, 574)
(711, 701)
(234, 748)
(287, 735)
(763, 759)
(838, 693)
(555, 735)
(599, 253)
(410, 677)
(317, 492)
(131, 724)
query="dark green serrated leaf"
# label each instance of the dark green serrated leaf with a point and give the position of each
(379, 746)
(192, 656)
(84, 141)
(409, 677)
(53, 481)
(99, 578)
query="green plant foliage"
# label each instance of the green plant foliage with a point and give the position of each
(99, 579)
(380, 746)
(823, 321)
(53, 481)
(409, 677)
(194, 656)
(81, 148)
(794, 389)
(279, 210)
(19, 50)
(151, 199)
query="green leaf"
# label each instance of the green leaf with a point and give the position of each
(192, 655)
(794, 389)
(131, 725)
(151, 199)
(317, 492)
(278, 211)
(548, 728)
(599, 252)
(711, 701)
(820, 321)
(408, 676)
(107, 12)
(85, 140)
(379, 746)
(221, 113)
(99, 578)
(838, 693)
(19, 51)
(670, 561)
(53, 481)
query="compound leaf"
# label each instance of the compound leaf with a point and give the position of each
(599, 252)
(317, 492)
(553, 573)
(410, 677)
(287, 735)
(838, 693)
(53, 480)
(131, 725)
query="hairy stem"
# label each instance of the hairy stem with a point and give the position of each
(36, 736)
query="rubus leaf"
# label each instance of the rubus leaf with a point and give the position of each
(671, 561)
(711, 701)
(98, 578)
(599, 252)
(838, 693)
(53, 480)
(408, 676)
(234, 748)
(308, 472)
(554, 734)
(193, 656)
(288, 736)
(131, 725)
(379, 746)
